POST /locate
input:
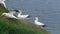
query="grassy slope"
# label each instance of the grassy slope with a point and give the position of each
(13, 26)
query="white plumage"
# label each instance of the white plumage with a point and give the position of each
(38, 23)
(10, 14)
(3, 2)
(16, 14)
(20, 16)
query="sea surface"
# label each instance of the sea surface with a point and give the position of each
(48, 12)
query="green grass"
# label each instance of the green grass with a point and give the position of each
(13, 26)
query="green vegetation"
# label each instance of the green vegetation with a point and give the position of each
(13, 26)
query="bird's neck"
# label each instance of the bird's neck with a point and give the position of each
(36, 20)
(19, 15)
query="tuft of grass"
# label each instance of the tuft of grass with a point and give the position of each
(13, 26)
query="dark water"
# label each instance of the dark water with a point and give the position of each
(48, 12)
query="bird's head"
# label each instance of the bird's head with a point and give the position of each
(3, 14)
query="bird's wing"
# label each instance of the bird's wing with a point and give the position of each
(41, 23)
(14, 13)
(25, 16)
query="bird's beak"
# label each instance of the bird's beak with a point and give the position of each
(29, 16)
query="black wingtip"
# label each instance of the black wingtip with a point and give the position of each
(29, 16)
(43, 25)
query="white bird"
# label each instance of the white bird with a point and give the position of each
(20, 16)
(10, 14)
(3, 3)
(38, 23)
